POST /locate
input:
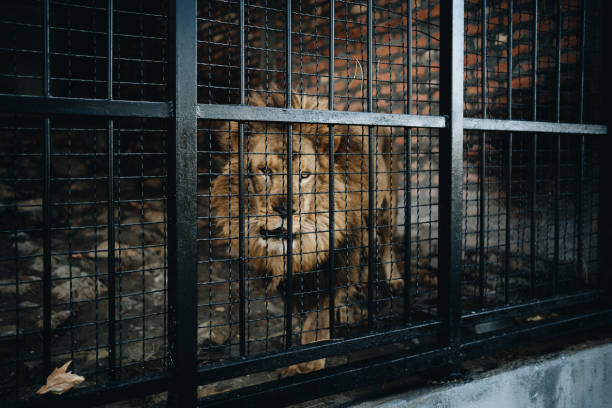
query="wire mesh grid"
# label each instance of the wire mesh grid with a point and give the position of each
(74, 186)
(523, 193)
(79, 47)
(265, 198)
(396, 149)
(558, 270)
(79, 249)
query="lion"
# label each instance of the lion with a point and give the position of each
(266, 209)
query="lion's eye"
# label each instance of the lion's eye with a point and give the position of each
(265, 170)
(305, 175)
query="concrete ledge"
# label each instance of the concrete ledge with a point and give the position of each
(569, 380)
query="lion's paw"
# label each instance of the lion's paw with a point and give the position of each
(396, 285)
(303, 368)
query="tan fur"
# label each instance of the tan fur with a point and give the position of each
(266, 185)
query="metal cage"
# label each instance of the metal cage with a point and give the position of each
(150, 148)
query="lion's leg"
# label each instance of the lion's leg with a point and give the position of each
(349, 310)
(358, 272)
(315, 328)
(391, 272)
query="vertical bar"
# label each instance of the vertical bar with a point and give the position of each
(605, 203)
(532, 156)
(557, 150)
(111, 199)
(451, 173)
(509, 158)
(46, 171)
(182, 204)
(332, 151)
(483, 158)
(408, 179)
(580, 175)
(241, 196)
(289, 161)
(371, 197)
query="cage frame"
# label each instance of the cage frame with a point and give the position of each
(182, 112)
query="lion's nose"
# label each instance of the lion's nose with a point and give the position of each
(281, 208)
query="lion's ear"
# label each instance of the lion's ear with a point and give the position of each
(300, 101)
(272, 98)
(227, 136)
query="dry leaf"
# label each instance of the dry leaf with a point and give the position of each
(60, 381)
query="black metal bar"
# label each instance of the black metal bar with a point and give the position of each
(289, 161)
(111, 249)
(110, 50)
(557, 149)
(99, 394)
(228, 369)
(261, 114)
(103, 394)
(483, 160)
(371, 195)
(46, 173)
(111, 200)
(408, 176)
(50, 105)
(182, 204)
(509, 159)
(337, 379)
(332, 149)
(549, 329)
(451, 173)
(532, 126)
(580, 170)
(241, 195)
(289, 391)
(266, 114)
(605, 193)
(533, 146)
(534, 307)
(120, 108)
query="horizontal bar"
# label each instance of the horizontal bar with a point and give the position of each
(78, 106)
(262, 114)
(100, 394)
(119, 108)
(351, 376)
(330, 381)
(527, 309)
(532, 126)
(220, 371)
(537, 331)
(103, 394)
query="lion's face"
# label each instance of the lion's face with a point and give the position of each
(266, 201)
